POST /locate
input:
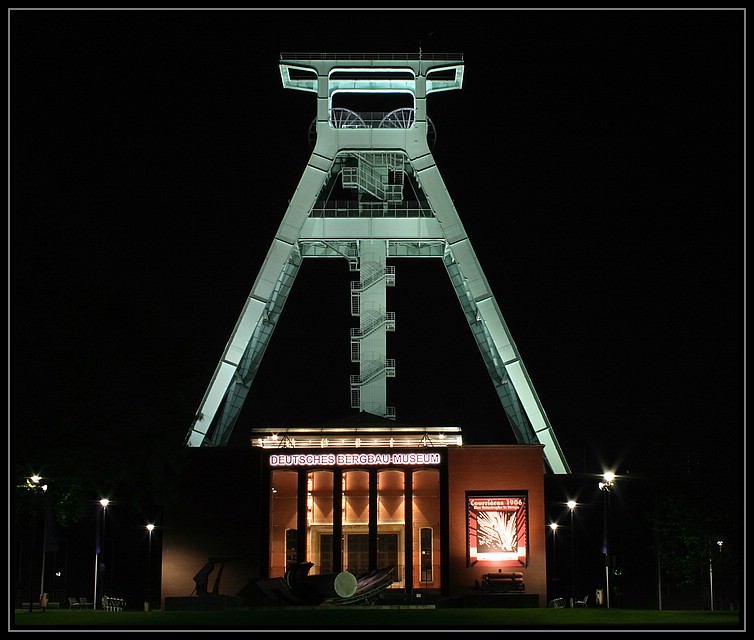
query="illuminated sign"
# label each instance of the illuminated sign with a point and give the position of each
(497, 529)
(351, 459)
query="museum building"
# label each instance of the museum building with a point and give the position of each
(451, 520)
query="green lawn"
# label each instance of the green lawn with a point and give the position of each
(280, 618)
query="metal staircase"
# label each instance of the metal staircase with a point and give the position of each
(377, 174)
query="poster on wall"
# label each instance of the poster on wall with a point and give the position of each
(497, 529)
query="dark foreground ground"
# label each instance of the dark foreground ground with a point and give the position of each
(376, 618)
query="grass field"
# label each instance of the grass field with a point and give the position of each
(282, 618)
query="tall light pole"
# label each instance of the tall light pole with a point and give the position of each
(104, 502)
(572, 505)
(42, 604)
(147, 600)
(608, 481)
(32, 482)
(554, 527)
(711, 599)
(658, 552)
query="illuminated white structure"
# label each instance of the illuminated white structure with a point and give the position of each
(371, 192)
(357, 437)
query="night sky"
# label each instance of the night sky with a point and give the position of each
(595, 159)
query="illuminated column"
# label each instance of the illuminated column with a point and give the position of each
(408, 514)
(337, 524)
(373, 518)
(302, 522)
(369, 341)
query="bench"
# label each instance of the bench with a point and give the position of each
(503, 581)
(35, 605)
(110, 603)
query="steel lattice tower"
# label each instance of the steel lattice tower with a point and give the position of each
(370, 192)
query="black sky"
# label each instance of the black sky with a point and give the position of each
(595, 159)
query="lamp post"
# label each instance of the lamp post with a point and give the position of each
(104, 502)
(608, 481)
(554, 527)
(572, 505)
(711, 599)
(32, 482)
(147, 600)
(42, 603)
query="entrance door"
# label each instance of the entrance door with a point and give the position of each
(387, 550)
(358, 552)
(357, 560)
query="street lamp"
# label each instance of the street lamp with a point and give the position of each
(608, 481)
(572, 505)
(32, 482)
(711, 599)
(150, 528)
(104, 502)
(554, 527)
(42, 603)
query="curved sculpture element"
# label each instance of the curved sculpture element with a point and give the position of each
(297, 587)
